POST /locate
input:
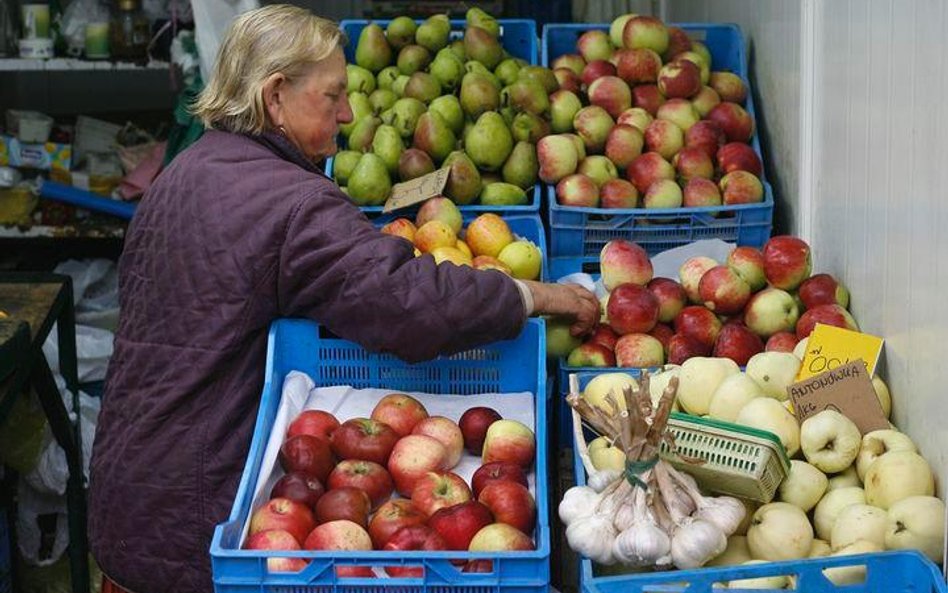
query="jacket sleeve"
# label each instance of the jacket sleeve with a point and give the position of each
(368, 287)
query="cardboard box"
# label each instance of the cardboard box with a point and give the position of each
(50, 155)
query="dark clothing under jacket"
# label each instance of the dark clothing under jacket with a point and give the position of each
(235, 233)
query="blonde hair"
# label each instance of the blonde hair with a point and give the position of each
(259, 43)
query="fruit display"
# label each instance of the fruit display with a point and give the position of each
(643, 119)
(486, 244)
(421, 102)
(386, 483)
(757, 300)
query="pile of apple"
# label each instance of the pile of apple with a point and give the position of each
(421, 102)
(756, 301)
(336, 493)
(846, 493)
(487, 243)
(642, 121)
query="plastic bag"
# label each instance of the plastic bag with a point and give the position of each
(51, 472)
(31, 504)
(95, 292)
(77, 15)
(211, 20)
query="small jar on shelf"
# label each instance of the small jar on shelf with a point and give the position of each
(129, 31)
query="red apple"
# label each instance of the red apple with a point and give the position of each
(637, 66)
(671, 298)
(458, 524)
(307, 454)
(316, 423)
(509, 440)
(597, 69)
(645, 31)
(624, 262)
(604, 336)
(474, 423)
(663, 333)
(748, 262)
(738, 156)
(437, 490)
(392, 516)
(639, 351)
(498, 537)
(611, 93)
(591, 354)
(417, 538)
(338, 535)
(636, 117)
(510, 503)
(698, 323)
(700, 193)
(787, 262)
(301, 487)
(680, 79)
(825, 314)
(648, 168)
(692, 162)
(678, 42)
(285, 514)
(352, 504)
(401, 412)
(741, 187)
(648, 97)
(568, 80)
(690, 274)
(737, 343)
(729, 86)
(447, 433)
(577, 190)
(362, 438)
(664, 193)
(723, 291)
(413, 457)
(737, 124)
(708, 136)
(623, 144)
(592, 124)
(497, 470)
(632, 309)
(364, 475)
(771, 311)
(618, 193)
(823, 289)
(594, 45)
(277, 539)
(665, 138)
(705, 100)
(573, 62)
(681, 347)
(781, 342)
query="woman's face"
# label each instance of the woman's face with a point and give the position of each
(310, 109)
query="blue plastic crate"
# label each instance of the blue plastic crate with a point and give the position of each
(583, 231)
(519, 38)
(886, 572)
(511, 366)
(527, 227)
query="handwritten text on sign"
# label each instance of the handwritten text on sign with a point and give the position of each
(846, 389)
(830, 347)
(417, 190)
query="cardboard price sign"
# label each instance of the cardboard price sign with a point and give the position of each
(846, 389)
(417, 190)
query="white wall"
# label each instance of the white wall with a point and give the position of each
(851, 94)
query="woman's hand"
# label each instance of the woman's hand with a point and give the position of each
(566, 300)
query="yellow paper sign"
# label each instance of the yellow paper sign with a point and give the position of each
(417, 190)
(830, 347)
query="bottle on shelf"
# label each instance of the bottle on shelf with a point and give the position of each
(129, 31)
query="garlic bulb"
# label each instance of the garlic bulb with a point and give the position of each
(644, 543)
(695, 542)
(593, 537)
(601, 479)
(725, 512)
(578, 502)
(624, 517)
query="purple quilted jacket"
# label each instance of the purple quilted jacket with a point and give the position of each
(235, 233)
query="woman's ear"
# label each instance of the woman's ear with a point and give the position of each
(274, 97)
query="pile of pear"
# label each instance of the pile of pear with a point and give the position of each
(422, 101)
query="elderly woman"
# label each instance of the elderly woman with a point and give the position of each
(239, 230)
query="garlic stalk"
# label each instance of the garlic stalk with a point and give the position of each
(593, 537)
(725, 512)
(578, 502)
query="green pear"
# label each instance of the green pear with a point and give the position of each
(373, 51)
(413, 58)
(529, 127)
(369, 183)
(433, 136)
(358, 79)
(475, 66)
(542, 75)
(423, 86)
(476, 17)
(382, 99)
(489, 142)
(464, 180)
(480, 45)
(526, 95)
(564, 105)
(508, 113)
(361, 109)
(389, 146)
(405, 114)
(448, 69)
(489, 177)
(478, 94)
(507, 71)
(457, 47)
(362, 134)
(449, 107)
(522, 166)
(399, 85)
(503, 194)
(434, 32)
(400, 32)
(343, 164)
(386, 77)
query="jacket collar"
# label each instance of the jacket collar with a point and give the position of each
(286, 150)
